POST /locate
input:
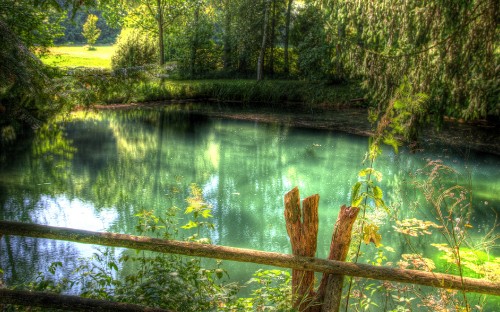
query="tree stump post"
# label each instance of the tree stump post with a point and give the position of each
(302, 228)
(329, 293)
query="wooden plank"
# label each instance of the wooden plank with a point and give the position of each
(439, 280)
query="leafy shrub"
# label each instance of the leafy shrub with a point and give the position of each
(134, 48)
(312, 48)
(273, 293)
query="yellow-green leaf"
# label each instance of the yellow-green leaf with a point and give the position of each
(206, 213)
(190, 225)
(365, 172)
(371, 235)
(355, 194)
(357, 201)
(377, 192)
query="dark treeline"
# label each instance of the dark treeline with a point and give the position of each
(73, 28)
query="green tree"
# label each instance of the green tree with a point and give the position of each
(447, 49)
(73, 26)
(247, 34)
(90, 30)
(157, 17)
(310, 41)
(198, 52)
(254, 33)
(227, 15)
(35, 25)
(287, 37)
(260, 61)
(24, 83)
(28, 95)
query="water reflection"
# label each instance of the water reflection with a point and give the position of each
(98, 170)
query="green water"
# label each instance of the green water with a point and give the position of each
(98, 170)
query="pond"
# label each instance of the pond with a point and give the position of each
(98, 170)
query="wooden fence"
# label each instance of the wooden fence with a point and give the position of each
(301, 261)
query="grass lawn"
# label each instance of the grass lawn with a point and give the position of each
(79, 56)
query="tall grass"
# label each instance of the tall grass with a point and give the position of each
(239, 92)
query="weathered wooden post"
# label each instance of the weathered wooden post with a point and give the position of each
(302, 228)
(330, 290)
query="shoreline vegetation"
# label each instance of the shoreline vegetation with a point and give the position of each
(311, 104)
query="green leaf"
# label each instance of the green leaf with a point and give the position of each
(377, 192)
(357, 201)
(206, 214)
(380, 203)
(371, 172)
(392, 142)
(399, 104)
(219, 273)
(355, 193)
(113, 266)
(365, 172)
(191, 224)
(53, 266)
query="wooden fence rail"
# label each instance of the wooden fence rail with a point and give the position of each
(72, 303)
(247, 255)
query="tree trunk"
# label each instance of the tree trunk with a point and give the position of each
(227, 36)
(194, 43)
(439, 280)
(287, 36)
(260, 62)
(273, 38)
(160, 32)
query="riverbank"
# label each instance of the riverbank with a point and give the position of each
(320, 105)
(480, 136)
